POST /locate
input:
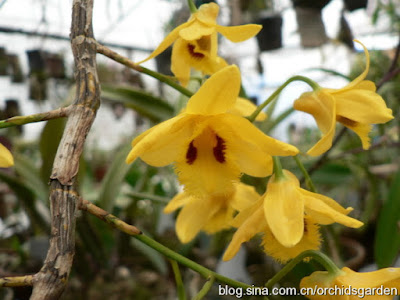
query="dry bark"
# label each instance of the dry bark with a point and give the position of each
(51, 280)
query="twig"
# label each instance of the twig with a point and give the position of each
(16, 281)
(393, 69)
(49, 115)
(130, 64)
(137, 234)
(108, 218)
(50, 282)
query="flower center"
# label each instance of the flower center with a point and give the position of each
(194, 54)
(191, 154)
(219, 150)
(204, 143)
(345, 121)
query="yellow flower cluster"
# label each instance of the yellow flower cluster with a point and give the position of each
(211, 144)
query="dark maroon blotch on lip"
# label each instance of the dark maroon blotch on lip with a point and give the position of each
(191, 154)
(194, 54)
(219, 150)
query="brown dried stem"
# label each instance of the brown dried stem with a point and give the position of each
(108, 218)
(51, 280)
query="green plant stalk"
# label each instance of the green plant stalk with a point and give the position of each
(203, 271)
(178, 279)
(278, 172)
(154, 198)
(130, 64)
(271, 98)
(278, 119)
(205, 289)
(49, 115)
(137, 234)
(192, 7)
(324, 260)
(307, 177)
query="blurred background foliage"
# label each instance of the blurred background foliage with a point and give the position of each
(111, 265)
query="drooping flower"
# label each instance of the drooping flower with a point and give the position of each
(6, 158)
(209, 147)
(286, 203)
(287, 215)
(251, 221)
(195, 43)
(351, 285)
(357, 106)
(209, 213)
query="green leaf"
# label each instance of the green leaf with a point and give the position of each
(114, 179)
(333, 174)
(30, 176)
(145, 104)
(48, 144)
(27, 198)
(387, 240)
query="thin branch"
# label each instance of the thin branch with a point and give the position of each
(49, 115)
(16, 281)
(66, 38)
(130, 64)
(137, 234)
(108, 218)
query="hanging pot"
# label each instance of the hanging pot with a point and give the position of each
(36, 61)
(163, 62)
(16, 72)
(38, 86)
(311, 27)
(54, 65)
(352, 5)
(3, 62)
(315, 4)
(270, 36)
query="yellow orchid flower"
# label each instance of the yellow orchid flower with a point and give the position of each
(356, 106)
(244, 107)
(210, 213)
(251, 221)
(287, 215)
(195, 43)
(379, 285)
(285, 204)
(210, 147)
(6, 158)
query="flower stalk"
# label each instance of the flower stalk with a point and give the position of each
(275, 94)
(321, 258)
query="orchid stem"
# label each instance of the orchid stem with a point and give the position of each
(49, 115)
(192, 7)
(278, 172)
(205, 289)
(307, 177)
(137, 234)
(130, 64)
(178, 279)
(271, 98)
(324, 260)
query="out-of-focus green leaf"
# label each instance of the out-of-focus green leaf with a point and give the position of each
(145, 104)
(387, 240)
(114, 178)
(332, 174)
(27, 198)
(48, 144)
(155, 257)
(30, 176)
